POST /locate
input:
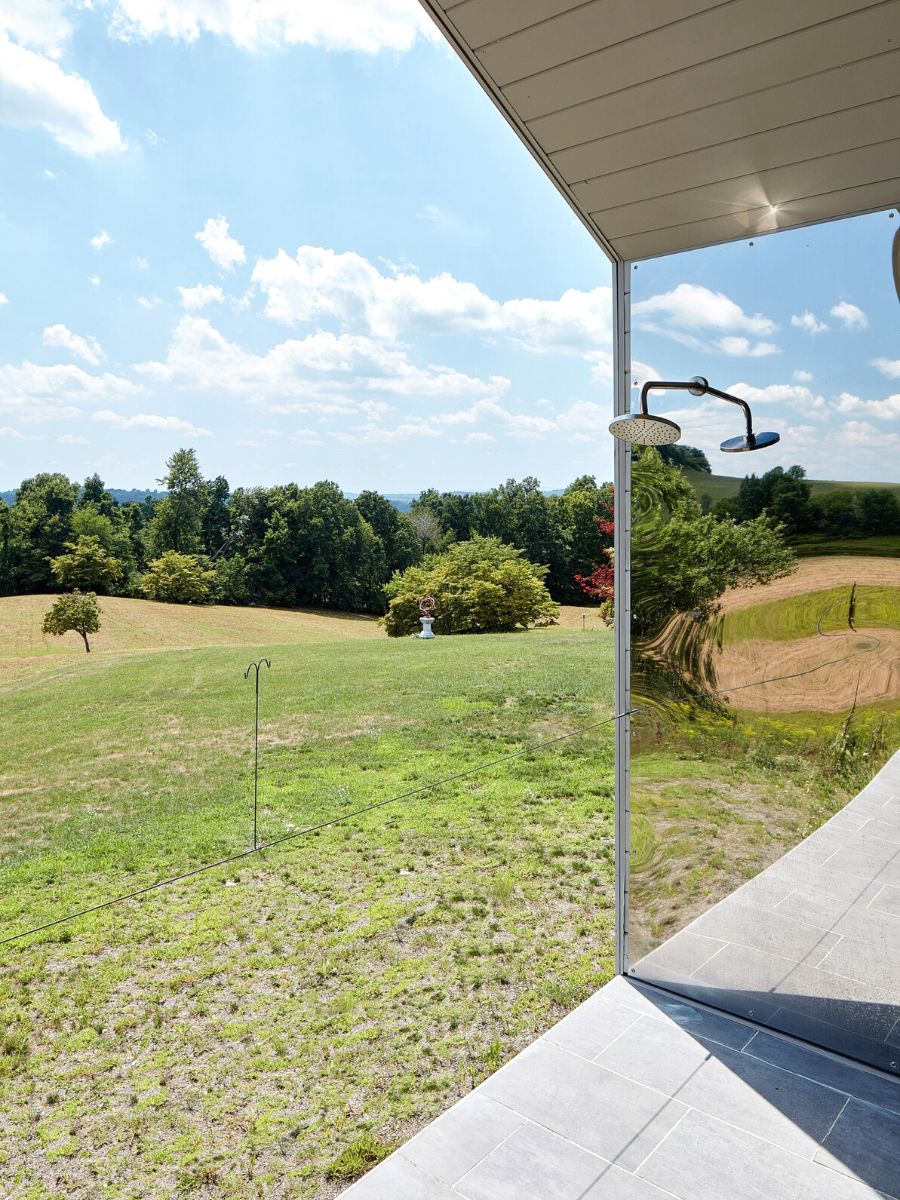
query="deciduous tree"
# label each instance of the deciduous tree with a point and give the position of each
(78, 612)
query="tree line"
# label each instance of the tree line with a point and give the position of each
(787, 496)
(284, 546)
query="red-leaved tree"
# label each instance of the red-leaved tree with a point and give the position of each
(600, 584)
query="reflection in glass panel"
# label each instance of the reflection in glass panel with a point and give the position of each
(765, 812)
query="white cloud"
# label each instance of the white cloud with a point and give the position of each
(743, 347)
(850, 315)
(888, 366)
(101, 239)
(87, 348)
(320, 283)
(793, 395)
(32, 392)
(802, 377)
(4, 299)
(94, 279)
(324, 372)
(429, 212)
(151, 421)
(809, 322)
(194, 298)
(887, 409)
(48, 174)
(360, 25)
(72, 439)
(225, 251)
(40, 24)
(689, 308)
(36, 93)
(149, 301)
(141, 263)
(7, 431)
(860, 433)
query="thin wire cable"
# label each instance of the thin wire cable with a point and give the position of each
(287, 837)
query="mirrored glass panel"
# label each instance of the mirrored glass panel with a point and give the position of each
(765, 819)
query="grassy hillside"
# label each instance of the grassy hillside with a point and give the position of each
(236, 1033)
(722, 487)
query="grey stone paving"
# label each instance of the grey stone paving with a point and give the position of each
(811, 945)
(642, 1095)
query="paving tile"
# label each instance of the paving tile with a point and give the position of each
(397, 1179)
(657, 1054)
(739, 967)
(825, 1068)
(887, 900)
(535, 1164)
(683, 953)
(461, 1137)
(824, 948)
(785, 1109)
(788, 1110)
(874, 963)
(595, 1108)
(865, 1144)
(890, 873)
(705, 1159)
(779, 931)
(664, 1006)
(864, 857)
(866, 924)
(859, 1005)
(592, 1026)
(882, 828)
(813, 907)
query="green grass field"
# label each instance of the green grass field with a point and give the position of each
(271, 1027)
(267, 1028)
(823, 611)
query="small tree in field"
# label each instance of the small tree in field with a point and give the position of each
(76, 611)
(178, 579)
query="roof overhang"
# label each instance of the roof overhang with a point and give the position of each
(674, 124)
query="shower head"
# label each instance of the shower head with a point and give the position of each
(752, 441)
(645, 429)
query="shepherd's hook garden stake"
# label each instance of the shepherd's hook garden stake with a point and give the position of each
(254, 666)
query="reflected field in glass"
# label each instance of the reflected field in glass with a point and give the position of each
(765, 813)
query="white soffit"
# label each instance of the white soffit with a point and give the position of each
(673, 124)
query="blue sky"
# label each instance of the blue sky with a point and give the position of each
(308, 246)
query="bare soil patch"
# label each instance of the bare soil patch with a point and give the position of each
(818, 674)
(818, 574)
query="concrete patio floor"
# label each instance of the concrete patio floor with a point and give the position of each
(639, 1095)
(811, 945)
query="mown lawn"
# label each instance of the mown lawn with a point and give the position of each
(268, 1027)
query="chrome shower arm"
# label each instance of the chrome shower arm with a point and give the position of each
(711, 391)
(694, 385)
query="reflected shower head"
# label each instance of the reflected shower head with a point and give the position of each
(753, 441)
(644, 429)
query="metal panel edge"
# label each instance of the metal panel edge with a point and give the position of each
(622, 490)
(444, 23)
